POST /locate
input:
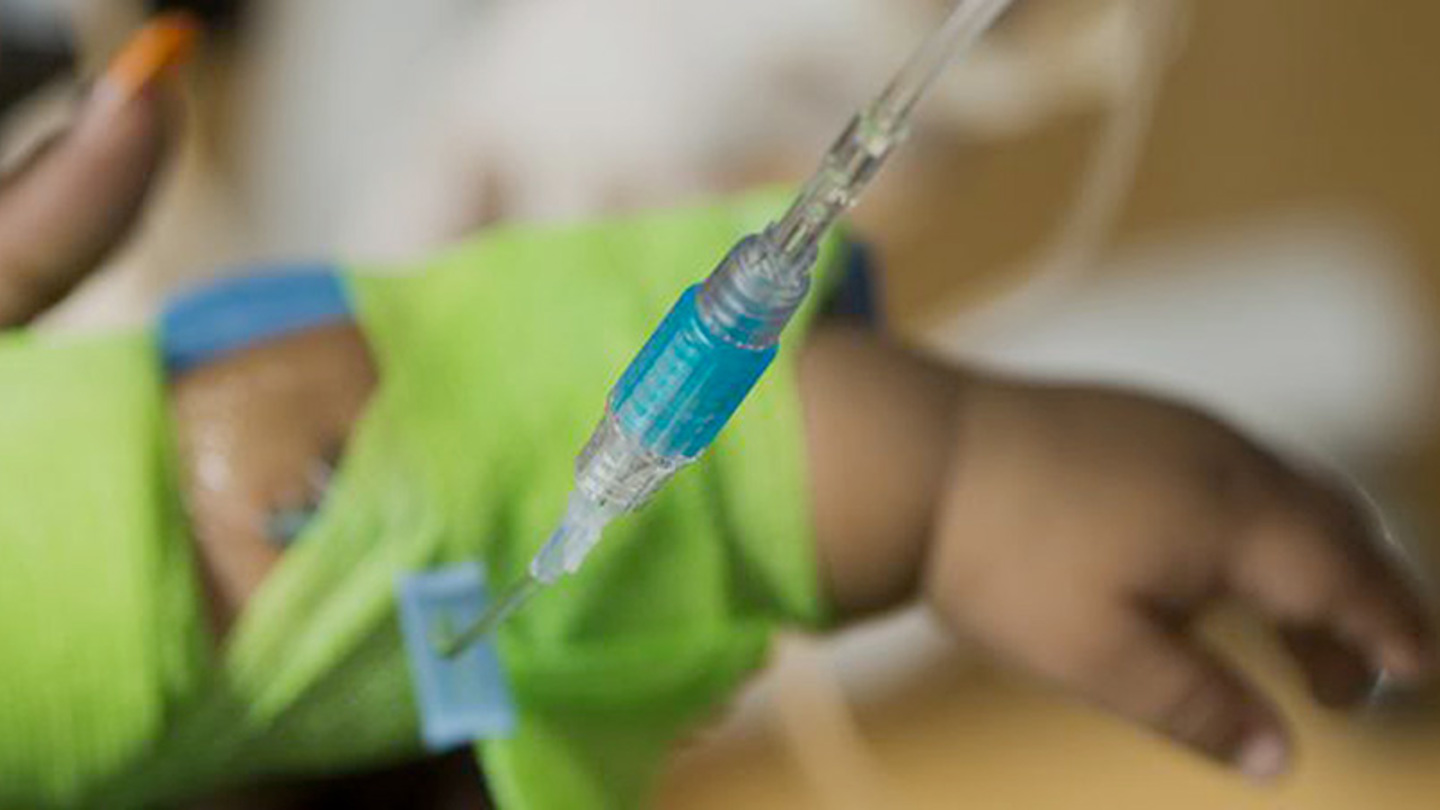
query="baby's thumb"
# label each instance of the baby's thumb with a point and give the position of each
(76, 199)
(1168, 682)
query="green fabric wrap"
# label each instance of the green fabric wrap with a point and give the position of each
(99, 631)
(495, 361)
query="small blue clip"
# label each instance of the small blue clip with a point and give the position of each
(464, 698)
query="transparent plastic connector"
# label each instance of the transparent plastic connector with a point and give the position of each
(577, 534)
(678, 393)
(860, 151)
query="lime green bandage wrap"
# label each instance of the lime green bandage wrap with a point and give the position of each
(99, 632)
(494, 366)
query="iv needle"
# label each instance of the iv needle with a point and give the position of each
(452, 644)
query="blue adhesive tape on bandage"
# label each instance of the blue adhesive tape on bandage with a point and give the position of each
(462, 698)
(231, 315)
(857, 295)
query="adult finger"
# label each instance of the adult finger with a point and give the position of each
(67, 208)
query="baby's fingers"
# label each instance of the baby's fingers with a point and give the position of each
(1338, 675)
(1167, 681)
(1312, 559)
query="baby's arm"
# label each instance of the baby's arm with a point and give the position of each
(1078, 532)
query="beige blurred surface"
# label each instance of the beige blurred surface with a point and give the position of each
(1271, 105)
(964, 736)
(1274, 105)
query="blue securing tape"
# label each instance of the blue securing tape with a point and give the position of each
(230, 315)
(464, 698)
(857, 296)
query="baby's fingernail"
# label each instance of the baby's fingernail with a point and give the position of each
(1263, 758)
(160, 46)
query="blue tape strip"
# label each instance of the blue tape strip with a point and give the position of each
(461, 699)
(230, 315)
(857, 296)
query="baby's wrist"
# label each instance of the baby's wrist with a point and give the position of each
(880, 427)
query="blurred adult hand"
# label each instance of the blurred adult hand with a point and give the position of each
(75, 198)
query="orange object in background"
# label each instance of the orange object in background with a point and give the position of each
(160, 46)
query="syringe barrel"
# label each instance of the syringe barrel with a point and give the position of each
(685, 384)
(691, 376)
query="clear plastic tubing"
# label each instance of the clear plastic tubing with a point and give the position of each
(721, 336)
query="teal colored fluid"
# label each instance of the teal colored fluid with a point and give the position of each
(686, 382)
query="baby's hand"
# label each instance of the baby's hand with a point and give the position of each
(1079, 533)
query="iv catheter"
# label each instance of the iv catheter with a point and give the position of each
(713, 346)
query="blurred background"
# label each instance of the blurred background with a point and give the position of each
(1228, 201)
